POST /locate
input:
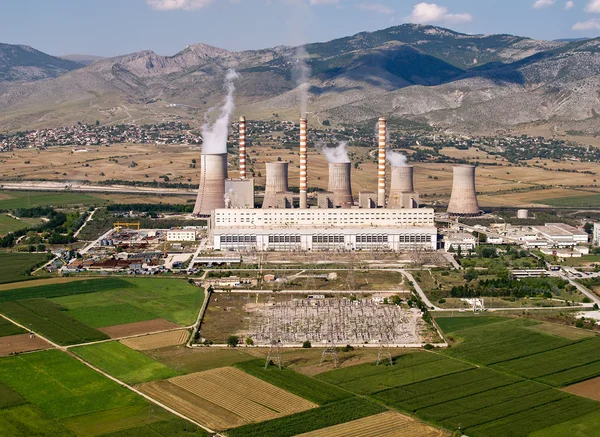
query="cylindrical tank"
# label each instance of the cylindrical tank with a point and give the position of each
(242, 147)
(523, 214)
(381, 165)
(340, 184)
(463, 201)
(303, 163)
(211, 194)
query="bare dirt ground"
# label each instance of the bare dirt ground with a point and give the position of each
(138, 328)
(21, 343)
(587, 389)
(157, 341)
(386, 424)
(39, 282)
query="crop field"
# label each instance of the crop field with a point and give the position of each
(167, 428)
(587, 389)
(7, 328)
(16, 344)
(50, 320)
(16, 266)
(343, 411)
(171, 299)
(583, 201)
(386, 424)
(9, 224)
(39, 282)
(63, 289)
(28, 199)
(157, 341)
(453, 324)
(408, 368)
(193, 360)
(306, 387)
(138, 328)
(127, 365)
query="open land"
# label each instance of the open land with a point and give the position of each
(589, 389)
(157, 341)
(139, 328)
(16, 344)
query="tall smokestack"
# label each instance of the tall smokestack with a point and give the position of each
(402, 190)
(339, 183)
(242, 147)
(463, 201)
(211, 194)
(382, 133)
(303, 163)
(277, 182)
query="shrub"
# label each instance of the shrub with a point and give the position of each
(428, 346)
(233, 340)
(307, 344)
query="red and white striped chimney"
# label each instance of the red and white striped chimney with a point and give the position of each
(242, 147)
(381, 168)
(303, 163)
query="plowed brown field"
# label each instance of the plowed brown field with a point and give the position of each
(21, 343)
(138, 328)
(587, 389)
(226, 398)
(156, 341)
(381, 425)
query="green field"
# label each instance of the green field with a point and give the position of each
(27, 420)
(453, 324)
(10, 398)
(589, 201)
(586, 426)
(10, 200)
(329, 415)
(304, 386)
(17, 266)
(9, 224)
(50, 320)
(124, 363)
(165, 428)
(171, 299)
(7, 328)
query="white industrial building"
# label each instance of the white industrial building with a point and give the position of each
(181, 235)
(462, 240)
(323, 229)
(561, 235)
(596, 237)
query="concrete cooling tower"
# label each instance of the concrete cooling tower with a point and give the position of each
(463, 201)
(211, 195)
(402, 190)
(339, 183)
(277, 182)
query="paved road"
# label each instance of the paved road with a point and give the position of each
(419, 290)
(94, 243)
(76, 234)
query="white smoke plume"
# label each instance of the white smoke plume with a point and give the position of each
(396, 159)
(301, 73)
(214, 136)
(337, 154)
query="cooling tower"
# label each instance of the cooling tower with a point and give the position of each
(402, 190)
(242, 147)
(303, 163)
(382, 145)
(213, 172)
(339, 183)
(463, 201)
(277, 182)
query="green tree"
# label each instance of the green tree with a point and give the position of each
(233, 340)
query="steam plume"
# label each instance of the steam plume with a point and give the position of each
(301, 73)
(396, 159)
(214, 136)
(337, 154)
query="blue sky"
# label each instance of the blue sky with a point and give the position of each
(113, 27)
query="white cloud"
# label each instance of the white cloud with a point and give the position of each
(171, 5)
(569, 5)
(427, 13)
(376, 7)
(543, 3)
(587, 25)
(593, 7)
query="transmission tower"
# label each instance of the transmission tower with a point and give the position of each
(350, 278)
(274, 354)
(330, 351)
(384, 353)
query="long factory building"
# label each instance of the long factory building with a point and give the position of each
(323, 229)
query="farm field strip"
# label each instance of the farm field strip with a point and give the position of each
(21, 343)
(16, 266)
(7, 328)
(247, 396)
(588, 389)
(571, 376)
(157, 341)
(387, 424)
(68, 288)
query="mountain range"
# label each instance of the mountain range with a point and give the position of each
(427, 74)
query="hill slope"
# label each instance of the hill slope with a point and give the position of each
(24, 63)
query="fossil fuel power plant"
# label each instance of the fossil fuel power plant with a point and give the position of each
(385, 220)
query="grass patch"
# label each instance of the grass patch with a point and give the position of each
(584, 426)
(166, 428)
(7, 328)
(51, 320)
(329, 415)
(61, 386)
(18, 266)
(29, 199)
(304, 386)
(591, 200)
(9, 224)
(128, 365)
(27, 420)
(110, 315)
(63, 289)
(171, 299)
(453, 324)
